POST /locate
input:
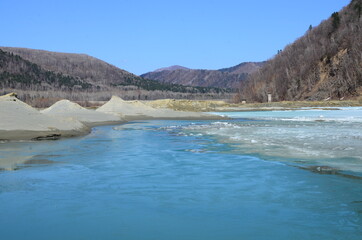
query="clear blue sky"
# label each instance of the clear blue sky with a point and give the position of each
(140, 36)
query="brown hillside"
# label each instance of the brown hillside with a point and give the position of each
(87, 68)
(326, 63)
(223, 78)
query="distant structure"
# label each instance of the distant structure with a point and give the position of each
(269, 97)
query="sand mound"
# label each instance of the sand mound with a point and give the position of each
(63, 106)
(66, 108)
(127, 108)
(136, 110)
(21, 121)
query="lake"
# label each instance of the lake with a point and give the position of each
(260, 175)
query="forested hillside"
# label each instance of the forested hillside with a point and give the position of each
(325, 63)
(18, 73)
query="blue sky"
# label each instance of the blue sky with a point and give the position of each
(140, 36)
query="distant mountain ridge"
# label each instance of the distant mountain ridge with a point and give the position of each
(222, 78)
(171, 68)
(245, 67)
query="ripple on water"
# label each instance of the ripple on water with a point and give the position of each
(187, 181)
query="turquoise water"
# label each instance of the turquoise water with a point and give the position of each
(191, 180)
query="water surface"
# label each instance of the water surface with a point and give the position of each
(188, 180)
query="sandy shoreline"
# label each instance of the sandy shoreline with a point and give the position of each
(19, 121)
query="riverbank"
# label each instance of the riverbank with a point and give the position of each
(224, 106)
(20, 121)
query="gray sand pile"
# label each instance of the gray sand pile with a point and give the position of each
(136, 110)
(116, 105)
(66, 108)
(19, 121)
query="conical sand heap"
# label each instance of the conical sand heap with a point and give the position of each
(20, 121)
(136, 110)
(66, 108)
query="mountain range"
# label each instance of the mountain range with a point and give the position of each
(222, 78)
(39, 74)
(101, 75)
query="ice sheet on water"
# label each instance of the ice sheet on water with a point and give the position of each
(346, 114)
(331, 137)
